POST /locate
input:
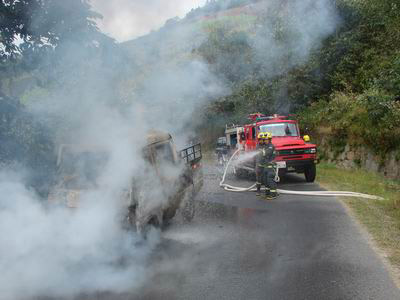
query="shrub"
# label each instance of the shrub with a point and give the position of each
(370, 118)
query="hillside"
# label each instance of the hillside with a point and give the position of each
(241, 45)
(344, 78)
(358, 102)
(180, 39)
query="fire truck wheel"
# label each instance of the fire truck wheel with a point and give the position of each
(310, 173)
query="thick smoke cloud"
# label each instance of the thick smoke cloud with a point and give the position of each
(179, 93)
(267, 41)
(127, 19)
(290, 31)
(62, 252)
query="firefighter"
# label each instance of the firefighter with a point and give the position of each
(269, 171)
(258, 161)
(265, 171)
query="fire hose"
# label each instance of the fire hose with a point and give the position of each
(231, 188)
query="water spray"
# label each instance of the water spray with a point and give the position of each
(231, 188)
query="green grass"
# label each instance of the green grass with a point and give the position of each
(381, 218)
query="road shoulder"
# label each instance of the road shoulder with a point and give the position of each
(383, 254)
(378, 222)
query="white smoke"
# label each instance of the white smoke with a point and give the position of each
(290, 31)
(62, 252)
(127, 19)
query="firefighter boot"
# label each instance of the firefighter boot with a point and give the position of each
(258, 193)
(267, 192)
(273, 194)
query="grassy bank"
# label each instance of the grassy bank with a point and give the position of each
(381, 218)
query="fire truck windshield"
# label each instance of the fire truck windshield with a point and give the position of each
(280, 129)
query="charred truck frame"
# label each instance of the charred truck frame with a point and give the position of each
(176, 176)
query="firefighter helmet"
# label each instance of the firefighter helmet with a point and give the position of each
(261, 136)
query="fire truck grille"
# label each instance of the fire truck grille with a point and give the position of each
(292, 152)
(292, 157)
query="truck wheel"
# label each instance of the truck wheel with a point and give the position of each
(188, 207)
(144, 230)
(310, 173)
(169, 214)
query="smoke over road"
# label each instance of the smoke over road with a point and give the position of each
(63, 253)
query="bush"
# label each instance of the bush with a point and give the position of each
(370, 118)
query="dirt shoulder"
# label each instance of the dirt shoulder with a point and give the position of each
(379, 221)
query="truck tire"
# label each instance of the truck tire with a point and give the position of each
(169, 214)
(144, 230)
(310, 173)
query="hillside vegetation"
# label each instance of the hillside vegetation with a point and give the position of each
(350, 86)
(361, 101)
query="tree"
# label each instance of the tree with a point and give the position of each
(33, 25)
(45, 40)
(39, 36)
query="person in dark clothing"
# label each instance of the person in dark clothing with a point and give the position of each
(265, 171)
(259, 167)
(222, 151)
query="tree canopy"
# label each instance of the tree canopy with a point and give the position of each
(31, 25)
(41, 42)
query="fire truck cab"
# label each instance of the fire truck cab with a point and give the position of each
(294, 153)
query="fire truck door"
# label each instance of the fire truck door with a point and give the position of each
(247, 136)
(253, 138)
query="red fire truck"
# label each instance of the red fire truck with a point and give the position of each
(294, 153)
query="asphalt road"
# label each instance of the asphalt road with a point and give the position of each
(240, 246)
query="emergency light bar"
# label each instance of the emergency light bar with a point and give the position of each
(260, 117)
(255, 116)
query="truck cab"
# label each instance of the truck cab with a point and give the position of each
(294, 152)
(168, 182)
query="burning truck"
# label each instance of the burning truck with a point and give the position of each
(177, 177)
(294, 152)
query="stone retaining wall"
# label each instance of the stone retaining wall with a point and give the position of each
(361, 157)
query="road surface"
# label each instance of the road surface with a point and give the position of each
(240, 246)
